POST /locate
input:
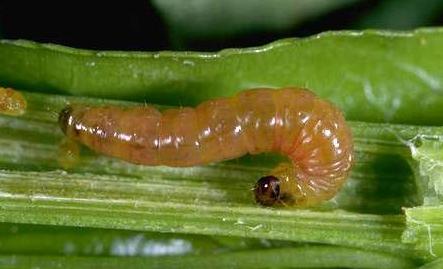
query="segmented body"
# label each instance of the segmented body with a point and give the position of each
(290, 121)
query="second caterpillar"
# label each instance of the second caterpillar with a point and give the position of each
(311, 132)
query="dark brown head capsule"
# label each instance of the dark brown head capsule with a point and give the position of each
(267, 190)
(64, 118)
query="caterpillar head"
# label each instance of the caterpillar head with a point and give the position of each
(65, 119)
(68, 120)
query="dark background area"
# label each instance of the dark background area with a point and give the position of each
(123, 25)
(137, 25)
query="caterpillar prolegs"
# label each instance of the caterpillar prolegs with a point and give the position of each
(311, 132)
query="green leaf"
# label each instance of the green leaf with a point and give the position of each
(375, 76)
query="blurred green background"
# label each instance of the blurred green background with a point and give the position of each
(202, 24)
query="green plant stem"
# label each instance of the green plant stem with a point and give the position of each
(210, 200)
(437, 264)
(425, 230)
(45, 240)
(302, 257)
(366, 231)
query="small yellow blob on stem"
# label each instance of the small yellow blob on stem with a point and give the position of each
(12, 102)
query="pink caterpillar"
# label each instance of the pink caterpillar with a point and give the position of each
(311, 132)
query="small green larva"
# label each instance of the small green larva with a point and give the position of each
(291, 121)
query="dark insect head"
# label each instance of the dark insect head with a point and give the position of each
(267, 190)
(64, 118)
